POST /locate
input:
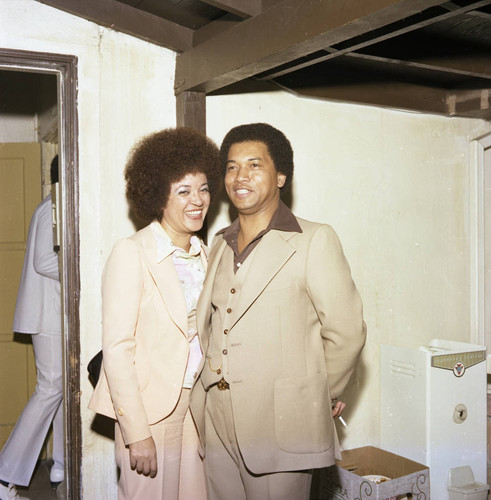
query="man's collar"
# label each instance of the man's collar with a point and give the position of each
(282, 220)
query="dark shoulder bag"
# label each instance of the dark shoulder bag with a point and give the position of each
(94, 368)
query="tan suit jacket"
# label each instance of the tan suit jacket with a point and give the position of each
(144, 339)
(295, 339)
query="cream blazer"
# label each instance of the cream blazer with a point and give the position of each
(297, 332)
(144, 336)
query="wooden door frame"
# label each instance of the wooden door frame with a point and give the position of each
(65, 68)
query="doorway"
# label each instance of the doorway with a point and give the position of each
(64, 68)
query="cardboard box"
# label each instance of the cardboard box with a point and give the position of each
(346, 481)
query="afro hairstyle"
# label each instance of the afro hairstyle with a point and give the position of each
(160, 159)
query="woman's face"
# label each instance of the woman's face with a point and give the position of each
(187, 206)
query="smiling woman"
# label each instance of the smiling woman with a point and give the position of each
(186, 208)
(150, 288)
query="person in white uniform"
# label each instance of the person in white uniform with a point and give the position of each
(38, 313)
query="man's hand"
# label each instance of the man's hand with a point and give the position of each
(143, 457)
(338, 408)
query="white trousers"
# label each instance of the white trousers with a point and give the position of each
(21, 451)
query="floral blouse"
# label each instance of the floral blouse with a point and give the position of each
(191, 273)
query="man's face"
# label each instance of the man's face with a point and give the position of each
(251, 179)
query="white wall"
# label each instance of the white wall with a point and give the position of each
(395, 186)
(125, 90)
(17, 128)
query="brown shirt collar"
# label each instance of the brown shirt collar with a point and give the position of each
(282, 220)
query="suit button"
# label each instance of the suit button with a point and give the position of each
(229, 310)
(225, 331)
(232, 290)
(120, 412)
(224, 352)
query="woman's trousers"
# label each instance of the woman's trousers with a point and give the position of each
(180, 474)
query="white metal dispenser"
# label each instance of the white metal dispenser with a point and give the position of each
(433, 407)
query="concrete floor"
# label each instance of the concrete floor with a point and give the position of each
(40, 487)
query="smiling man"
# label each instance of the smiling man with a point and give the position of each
(281, 323)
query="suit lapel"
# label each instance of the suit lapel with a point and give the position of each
(270, 256)
(166, 280)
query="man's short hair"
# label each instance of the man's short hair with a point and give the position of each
(278, 145)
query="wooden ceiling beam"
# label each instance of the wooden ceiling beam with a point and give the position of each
(477, 67)
(129, 20)
(331, 53)
(470, 103)
(223, 23)
(286, 31)
(394, 95)
(214, 28)
(478, 13)
(402, 96)
(241, 8)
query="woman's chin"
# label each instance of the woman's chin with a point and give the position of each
(195, 225)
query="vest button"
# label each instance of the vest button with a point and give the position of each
(229, 310)
(225, 331)
(232, 290)
(224, 352)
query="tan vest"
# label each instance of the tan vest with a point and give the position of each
(225, 295)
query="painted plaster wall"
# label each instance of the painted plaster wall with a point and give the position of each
(125, 90)
(395, 187)
(17, 128)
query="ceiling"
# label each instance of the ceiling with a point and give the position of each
(421, 55)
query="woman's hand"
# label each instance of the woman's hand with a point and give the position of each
(338, 408)
(143, 457)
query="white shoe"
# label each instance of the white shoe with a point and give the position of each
(10, 493)
(56, 475)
